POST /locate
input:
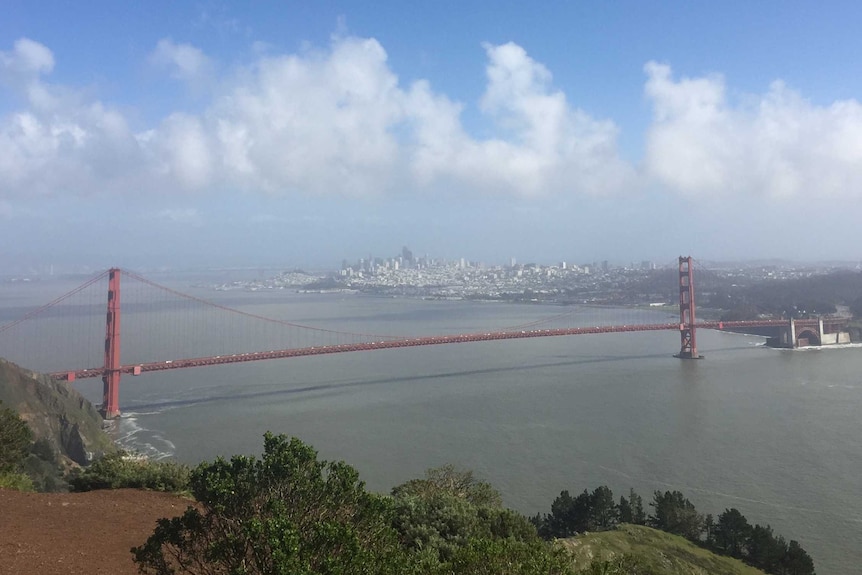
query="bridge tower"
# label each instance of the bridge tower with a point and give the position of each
(687, 331)
(111, 374)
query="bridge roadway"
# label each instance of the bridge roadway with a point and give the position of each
(137, 369)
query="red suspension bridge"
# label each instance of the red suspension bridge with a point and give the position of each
(160, 324)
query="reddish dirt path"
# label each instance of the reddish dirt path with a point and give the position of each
(78, 533)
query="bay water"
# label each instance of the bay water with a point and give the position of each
(774, 433)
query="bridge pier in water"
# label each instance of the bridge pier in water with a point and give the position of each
(687, 330)
(111, 374)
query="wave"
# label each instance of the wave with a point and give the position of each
(827, 347)
(135, 438)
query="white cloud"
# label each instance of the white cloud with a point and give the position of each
(26, 62)
(544, 146)
(776, 144)
(334, 121)
(60, 143)
(184, 61)
(315, 123)
(181, 154)
(337, 121)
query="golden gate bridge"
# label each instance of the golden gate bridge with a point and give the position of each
(161, 323)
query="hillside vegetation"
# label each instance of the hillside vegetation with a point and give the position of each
(56, 412)
(656, 553)
(65, 428)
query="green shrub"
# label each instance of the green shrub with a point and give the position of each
(15, 439)
(450, 512)
(46, 475)
(286, 513)
(509, 557)
(16, 481)
(119, 470)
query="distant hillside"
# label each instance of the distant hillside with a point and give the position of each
(660, 552)
(55, 412)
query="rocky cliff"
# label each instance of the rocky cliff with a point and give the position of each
(55, 412)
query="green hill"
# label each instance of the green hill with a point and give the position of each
(660, 553)
(56, 413)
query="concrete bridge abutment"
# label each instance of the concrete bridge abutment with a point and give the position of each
(809, 332)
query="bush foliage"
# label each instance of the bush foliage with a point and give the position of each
(119, 470)
(15, 439)
(448, 511)
(290, 513)
(16, 481)
(286, 513)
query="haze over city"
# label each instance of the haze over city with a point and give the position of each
(183, 134)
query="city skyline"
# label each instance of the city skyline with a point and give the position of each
(219, 134)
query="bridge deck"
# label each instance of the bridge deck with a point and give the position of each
(137, 369)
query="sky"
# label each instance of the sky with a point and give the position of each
(299, 134)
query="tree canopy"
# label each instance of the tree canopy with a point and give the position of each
(286, 513)
(675, 514)
(289, 513)
(15, 440)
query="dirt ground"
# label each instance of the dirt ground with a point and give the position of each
(78, 533)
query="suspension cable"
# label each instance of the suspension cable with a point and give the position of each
(252, 315)
(54, 302)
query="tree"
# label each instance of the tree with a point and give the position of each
(625, 510)
(796, 561)
(438, 524)
(709, 530)
(637, 503)
(603, 514)
(569, 515)
(15, 439)
(450, 510)
(286, 513)
(555, 523)
(562, 520)
(764, 550)
(456, 482)
(732, 532)
(676, 514)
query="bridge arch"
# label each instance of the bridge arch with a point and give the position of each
(807, 337)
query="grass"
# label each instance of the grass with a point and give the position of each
(661, 553)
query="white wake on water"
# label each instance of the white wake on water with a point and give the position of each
(134, 438)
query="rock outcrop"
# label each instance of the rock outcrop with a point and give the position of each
(55, 412)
